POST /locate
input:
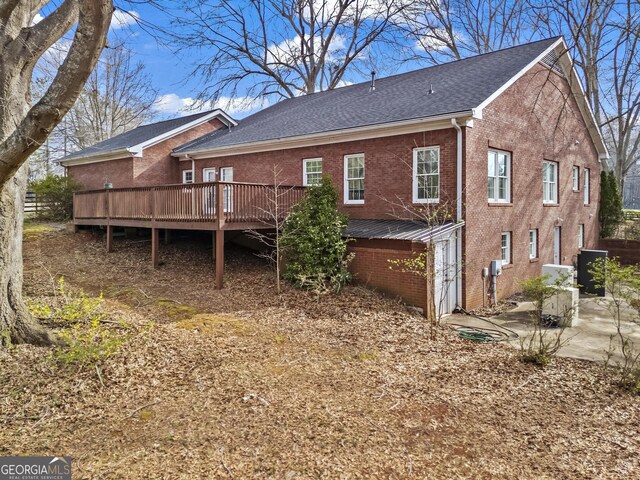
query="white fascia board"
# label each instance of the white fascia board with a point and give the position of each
(347, 135)
(226, 119)
(516, 77)
(102, 157)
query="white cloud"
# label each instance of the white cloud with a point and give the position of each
(123, 18)
(37, 19)
(172, 104)
(289, 51)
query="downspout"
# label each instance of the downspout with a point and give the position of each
(458, 211)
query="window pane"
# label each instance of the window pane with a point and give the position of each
(502, 188)
(356, 189)
(491, 166)
(492, 187)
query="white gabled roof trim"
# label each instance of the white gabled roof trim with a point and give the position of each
(137, 150)
(347, 135)
(574, 83)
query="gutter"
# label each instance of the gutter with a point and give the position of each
(458, 209)
(102, 157)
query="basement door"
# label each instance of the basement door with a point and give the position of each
(446, 271)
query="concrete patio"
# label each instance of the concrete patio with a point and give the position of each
(588, 338)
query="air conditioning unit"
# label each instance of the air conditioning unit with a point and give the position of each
(560, 275)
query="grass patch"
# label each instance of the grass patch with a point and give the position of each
(32, 230)
(176, 311)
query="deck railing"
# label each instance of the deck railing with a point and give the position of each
(221, 202)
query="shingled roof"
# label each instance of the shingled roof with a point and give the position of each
(142, 135)
(457, 87)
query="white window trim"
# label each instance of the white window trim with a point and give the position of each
(204, 174)
(346, 179)
(534, 243)
(587, 186)
(184, 176)
(556, 183)
(508, 154)
(506, 262)
(575, 179)
(304, 169)
(415, 174)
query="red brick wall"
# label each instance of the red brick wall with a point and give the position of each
(533, 128)
(628, 251)
(156, 167)
(388, 168)
(372, 269)
(93, 176)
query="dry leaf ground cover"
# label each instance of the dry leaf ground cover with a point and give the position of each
(242, 383)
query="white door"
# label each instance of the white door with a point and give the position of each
(208, 192)
(445, 267)
(226, 175)
(556, 245)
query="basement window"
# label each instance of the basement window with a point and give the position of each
(505, 247)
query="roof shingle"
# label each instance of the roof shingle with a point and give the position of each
(457, 87)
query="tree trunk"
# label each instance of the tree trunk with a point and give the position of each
(16, 323)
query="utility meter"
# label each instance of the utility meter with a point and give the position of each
(496, 268)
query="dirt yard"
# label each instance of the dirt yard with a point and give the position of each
(243, 383)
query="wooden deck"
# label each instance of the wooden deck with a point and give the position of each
(215, 206)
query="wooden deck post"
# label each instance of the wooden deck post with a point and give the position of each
(155, 237)
(109, 239)
(219, 259)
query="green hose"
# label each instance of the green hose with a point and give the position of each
(483, 335)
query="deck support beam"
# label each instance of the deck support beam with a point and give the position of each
(109, 238)
(219, 258)
(155, 240)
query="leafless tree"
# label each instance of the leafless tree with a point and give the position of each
(445, 30)
(117, 97)
(23, 128)
(282, 47)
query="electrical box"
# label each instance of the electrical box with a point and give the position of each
(561, 275)
(496, 268)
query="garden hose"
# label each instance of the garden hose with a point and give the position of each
(483, 335)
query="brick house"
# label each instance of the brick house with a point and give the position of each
(504, 142)
(142, 156)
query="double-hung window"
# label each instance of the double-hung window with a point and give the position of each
(499, 173)
(533, 244)
(581, 235)
(426, 175)
(354, 179)
(549, 182)
(311, 171)
(587, 184)
(576, 178)
(505, 248)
